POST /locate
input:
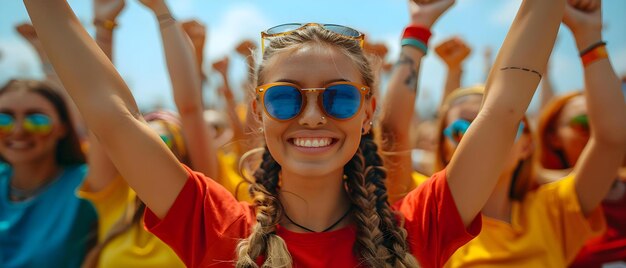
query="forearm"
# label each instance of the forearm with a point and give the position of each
(181, 64)
(233, 118)
(547, 92)
(528, 45)
(186, 84)
(86, 72)
(453, 80)
(605, 100)
(104, 39)
(101, 170)
(508, 93)
(398, 110)
(399, 103)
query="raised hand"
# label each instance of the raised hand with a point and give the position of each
(221, 66)
(426, 13)
(584, 5)
(453, 52)
(581, 19)
(107, 10)
(196, 32)
(27, 31)
(245, 48)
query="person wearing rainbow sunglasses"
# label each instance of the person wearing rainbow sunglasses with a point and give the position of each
(319, 197)
(524, 224)
(42, 222)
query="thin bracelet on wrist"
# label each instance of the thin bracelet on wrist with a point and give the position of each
(592, 47)
(106, 24)
(165, 20)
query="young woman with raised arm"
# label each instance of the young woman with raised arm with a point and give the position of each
(320, 196)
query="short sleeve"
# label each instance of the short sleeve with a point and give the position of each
(204, 224)
(567, 218)
(434, 225)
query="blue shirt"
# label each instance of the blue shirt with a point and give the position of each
(52, 229)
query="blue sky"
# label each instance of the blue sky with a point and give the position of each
(139, 57)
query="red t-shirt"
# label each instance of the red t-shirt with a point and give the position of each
(205, 223)
(610, 247)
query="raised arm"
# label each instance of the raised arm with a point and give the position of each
(107, 105)
(453, 52)
(483, 151)
(399, 103)
(186, 85)
(197, 33)
(225, 90)
(105, 19)
(597, 166)
(101, 169)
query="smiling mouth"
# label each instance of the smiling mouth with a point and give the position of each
(312, 142)
(18, 145)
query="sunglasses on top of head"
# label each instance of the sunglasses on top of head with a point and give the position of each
(289, 28)
(339, 100)
(36, 123)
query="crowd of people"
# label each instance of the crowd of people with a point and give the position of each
(314, 167)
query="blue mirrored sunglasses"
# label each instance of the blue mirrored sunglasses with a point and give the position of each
(285, 101)
(455, 131)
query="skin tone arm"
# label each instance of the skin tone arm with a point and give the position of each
(106, 11)
(547, 91)
(401, 94)
(221, 67)
(597, 167)
(453, 52)
(482, 153)
(252, 122)
(107, 105)
(197, 33)
(186, 83)
(101, 169)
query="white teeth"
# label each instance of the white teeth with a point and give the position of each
(312, 142)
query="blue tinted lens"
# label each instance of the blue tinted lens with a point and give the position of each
(520, 130)
(287, 27)
(456, 130)
(341, 101)
(283, 102)
(343, 30)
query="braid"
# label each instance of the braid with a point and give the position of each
(395, 235)
(263, 239)
(369, 240)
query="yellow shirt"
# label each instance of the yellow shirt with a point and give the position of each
(230, 178)
(418, 178)
(547, 229)
(134, 248)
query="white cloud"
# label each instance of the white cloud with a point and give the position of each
(240, 22)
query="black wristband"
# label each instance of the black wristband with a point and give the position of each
(592, 47)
